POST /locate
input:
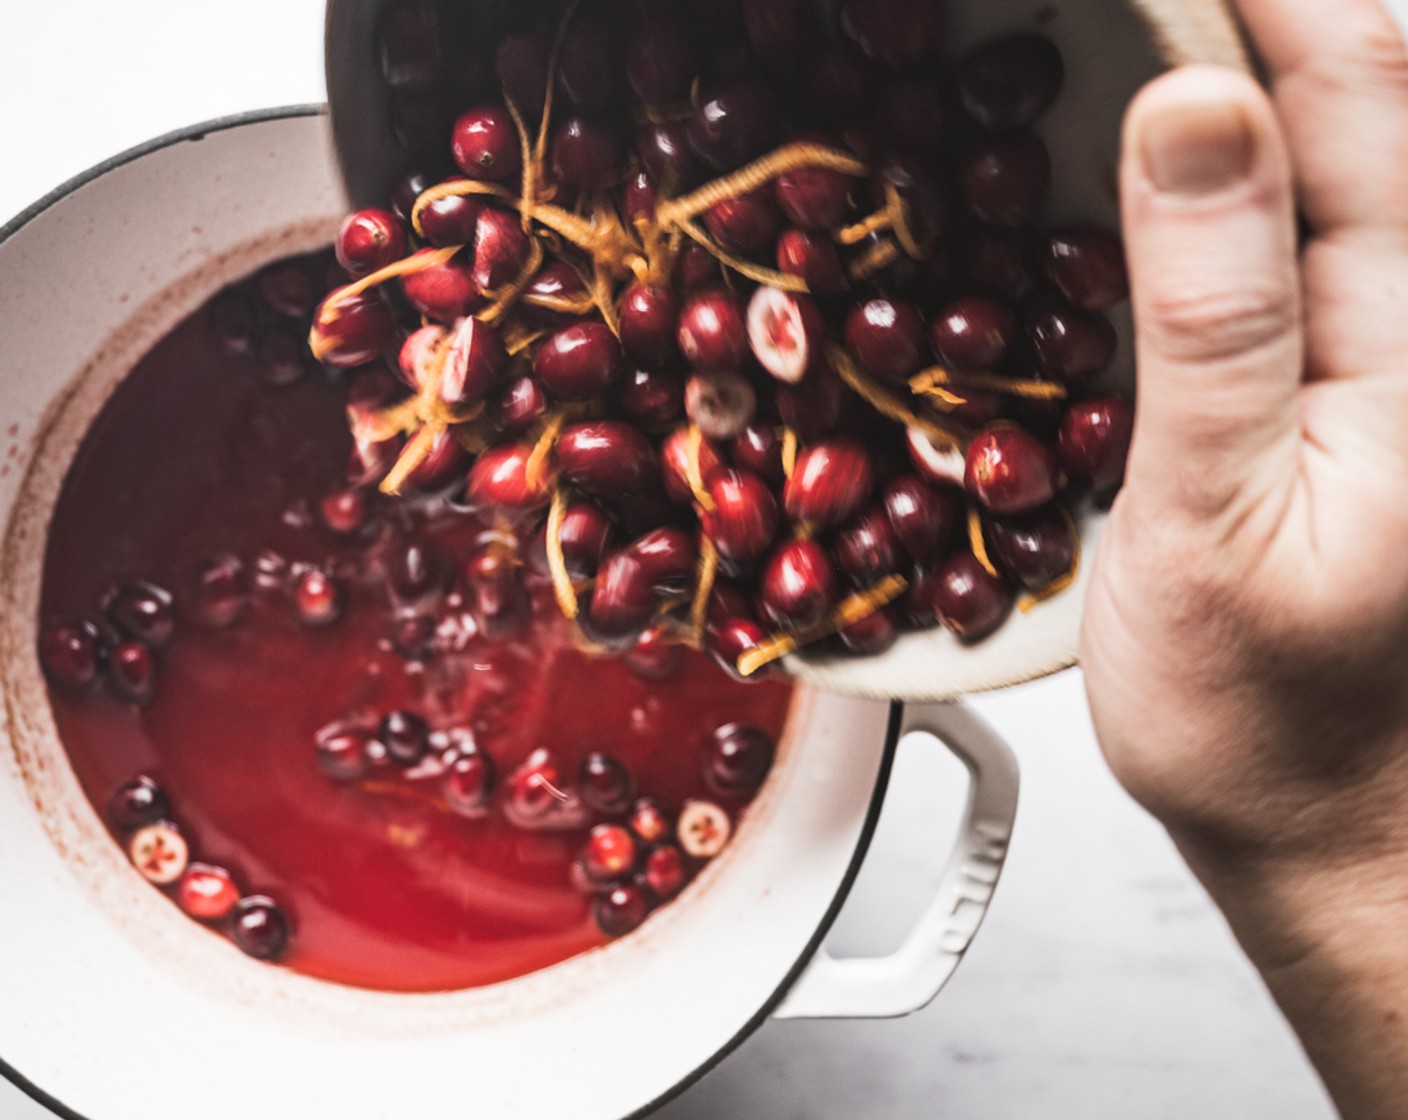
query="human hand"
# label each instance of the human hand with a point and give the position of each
(1246, 633)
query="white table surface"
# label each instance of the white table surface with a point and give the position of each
(1104, 985)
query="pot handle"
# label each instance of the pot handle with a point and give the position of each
(905, 981)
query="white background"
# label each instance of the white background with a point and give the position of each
(1103, 986)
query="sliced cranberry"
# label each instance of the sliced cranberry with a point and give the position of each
(260, 928)
(1008, 82)
(607, 786)
(475, 363)
(405, 737)
(1034, 549)
(813, 257)
(319, 598)
(660, 59)
(620, 909)
(720, 404)
(736, 757)
(418, 354)
(485, 143)
(831, 482)
(500, 478)
(665, 872)
(746, 223)
(895, 33)
(888, 338)
(758, 449)
(222, 592)
(71, 653)
(444, 292)
(968, 599)
(785, 331)
(586, 154)
(579, 362)
(1005, 178)
(711, 332)
(137, 803)
(704, 829)
(611, 853)
(973, 334)
(656, 656)
(1069, 344)
(468, 785)
(798, 585)
(1009, 470)
(206, 892)
(1094, 440)
(737, 123)
(368, 240)
(649, 821)
(743, 522)
(875, 633)
(361, 328)
(607, 458)
(132, 672)
(343, 753)
(675, 455)
(1087, 264)
(924, 520)
(866, 549)
(159, 852)
(648, 316)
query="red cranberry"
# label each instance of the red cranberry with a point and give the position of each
(735, 124)
(607, 458)
(911, 113)
(495, 590)
(651, 398)
(875, 633)
(649, 821)
(344, 512)
(611, 853)
(895, 33)
(1069, 344)
(785, 331)
(535, 790)
(720, 404)
(623, 600)
(1094, 440)
(675, 455)
(405, 189)
(1008, 82)
(736, 758)
(343, 753)
(743, 522)
(1005, 178)
(206, 892)
(137, 803)
(405, 737)
(586, 154)
(973, 334)
(419, 122)
(579, 362)
(968, 600)
(260, 928)
(999, 263)
(1087, 264)
(813, 407)
(286, 287)
(499, 478)
(607, 786)
(780, 31)
(648, 315)
(132, 672)
(665, 157)
(71, 654)
(222, 593)
(866, 549)
(319, 599)
(1009, 470)
(639, 198)
(798, 585)
(411, 47)
(413, 636)
(416, 568)
(283, 355)
(620, 909)
(669, 558)
(475, 363)
(468, 785)
(664, 872)
(924, 520)
(659, 59)
(521, 65)
(584, 534)
(1034, 549)
(730, 639)
(521, 404)
(556, 281)
(887, 337)
(695, 268)
(451, 220)
(813, 198)
(813, 257)
(830, 483)
(232, 322)
(361, 328)
(758, 449)
(369, 240)
(444, 292)
(589, 65)
(746, 223)
(485, 144)
(711, 332)
(500, 248)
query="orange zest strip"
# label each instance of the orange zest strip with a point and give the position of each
(535, 470)
(562, 589)
(381, 425)
(789, 451)
(887, 403)
(563, 305)
(855, 234)
(693, 474)
(878, 256)
(504, 298)
(417, 262)
(704, 585)
(847, 613)
(517, 338)
(751, 176)
(1031, 598)
(758, 273)
(927, 381)
(899, 213)
(977, 542)
(455, 188)
(415, 453)
(573, 227)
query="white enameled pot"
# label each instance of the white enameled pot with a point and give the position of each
(114, 1006)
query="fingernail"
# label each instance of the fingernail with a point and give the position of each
(1197, 149)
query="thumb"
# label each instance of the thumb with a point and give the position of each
(1209, 221)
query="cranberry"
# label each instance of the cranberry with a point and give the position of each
(71, 653)
(1009, 470)
(485, 144)
(344, 512)
(586, 154)
(648, 315)
(968, 599)
(413, 636)
(659, 59)
(813, 407)
(556, 281)
(813, 198)
(669, 558)
(500, 249)
(579, 362)
(521, 65)
(607, 458)
(405, 190)
(495, 590)
(360, 329)
(743, 522)
(451, 220)
(419, 122)
(887, 337)
(736, 758)
(923, 191)
(704, 829)
(475, 363)
(137, 803)
(639, 198)
(343, 753)
(623, 600)
(444, 465)
(319, 598)
(1087, 264)
(875, 633)
(758, 449)
(737, 123)
(895, 33)
(287, 288)
(411, 50)
(866, 549)
(675, 455)
(405, 737)
(813, 257)
(831, 481)
(206, 892)
(656, 656)
(798, 585)
(260, 928)
(1005, 178)
(368, 240)
(468, 784)
(924, 520)
(520, 405)
(416, 568)
(651, 398)
(1008, 82)
(999, 263)
(584, 535)
(222, 592)
(611, 853)
(132, 672)
(695, 268)
(589, 65)
(418, 354)
(607, 786)
(780, 31)
(973, 334)
(1094, 440)
(711, 332)
(535, 790)
(1069, 344)
(283, 355)
(785, 331)
(444, 292)
(500, 478)
(666, 157)
(649, 821)
(912, 113)
(1034, 549)
(746, 223)
(232, 322)
(664, 872)
(620, 909)
(730, 638)
(720, 404)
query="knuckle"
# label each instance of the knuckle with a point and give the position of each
(1203, 321)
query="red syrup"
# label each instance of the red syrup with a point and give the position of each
(197, 455)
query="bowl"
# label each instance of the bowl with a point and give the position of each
(118, 1007)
